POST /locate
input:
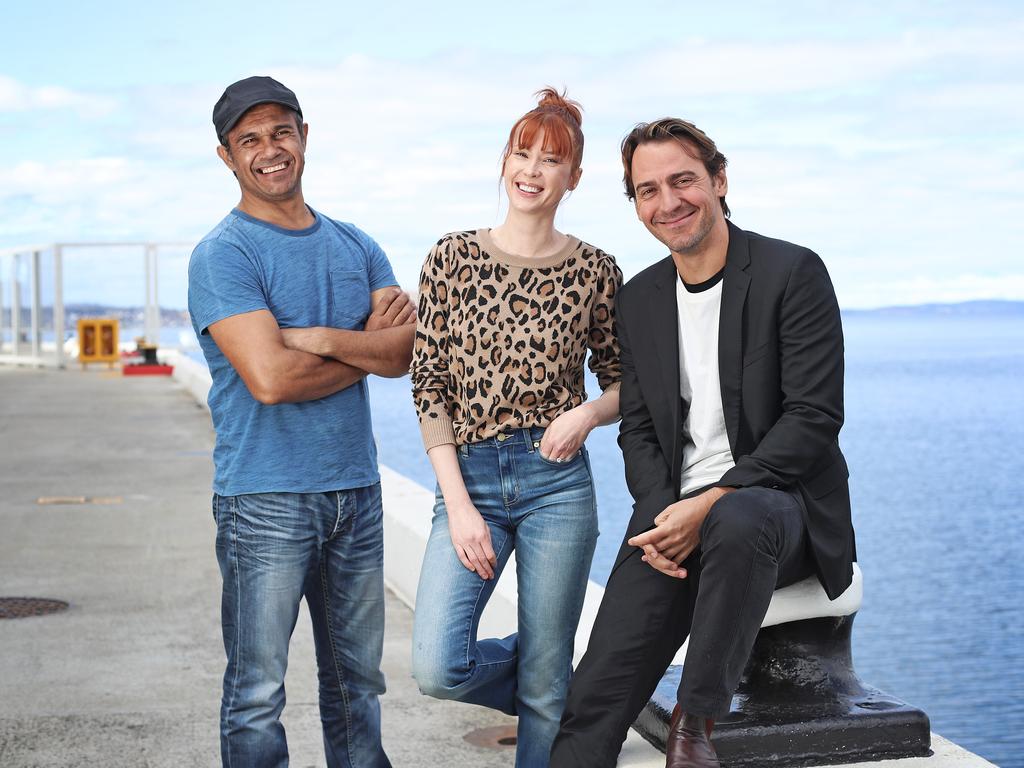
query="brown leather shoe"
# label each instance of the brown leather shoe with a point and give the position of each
(689, 742)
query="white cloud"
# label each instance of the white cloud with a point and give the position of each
(54, 183)
(17, 97)
(875, 153)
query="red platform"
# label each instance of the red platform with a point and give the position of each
(141, 369)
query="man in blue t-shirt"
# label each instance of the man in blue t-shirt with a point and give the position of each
(293, 310)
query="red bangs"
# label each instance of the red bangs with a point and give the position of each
(551, 127)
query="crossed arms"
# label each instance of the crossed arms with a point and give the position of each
(296, 364)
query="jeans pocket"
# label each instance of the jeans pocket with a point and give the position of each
(563, 463)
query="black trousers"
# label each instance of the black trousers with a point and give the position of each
(753, 541)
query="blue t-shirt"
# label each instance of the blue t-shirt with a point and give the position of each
(319, 276)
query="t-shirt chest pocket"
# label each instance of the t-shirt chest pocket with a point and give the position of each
(350, 298)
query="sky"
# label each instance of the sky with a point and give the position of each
(886, 136)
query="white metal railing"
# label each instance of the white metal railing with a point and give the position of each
(28, 319)
(21, 334)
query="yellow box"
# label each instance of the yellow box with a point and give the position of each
(98, 340)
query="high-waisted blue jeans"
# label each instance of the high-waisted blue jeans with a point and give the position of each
(274, 549)
(546, 512)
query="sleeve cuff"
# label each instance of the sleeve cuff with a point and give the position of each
(437, 432)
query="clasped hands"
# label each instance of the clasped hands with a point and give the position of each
(676, 533)
(394, 308)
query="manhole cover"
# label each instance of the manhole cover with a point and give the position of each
(498, 737)
(20, 607)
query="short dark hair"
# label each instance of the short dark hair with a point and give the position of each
(672, 129)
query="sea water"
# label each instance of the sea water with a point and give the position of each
(933, 436)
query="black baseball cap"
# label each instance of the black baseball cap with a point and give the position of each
(238, 98)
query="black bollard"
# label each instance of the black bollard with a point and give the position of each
(800, 703)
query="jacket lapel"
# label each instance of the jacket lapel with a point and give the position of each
(665, 330)
(730, 331)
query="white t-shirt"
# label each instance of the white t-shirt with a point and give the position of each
(706, 452)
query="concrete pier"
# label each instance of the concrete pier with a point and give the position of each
(105, 504)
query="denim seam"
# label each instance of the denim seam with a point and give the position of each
(334, 659)
(515, 480)
(233, 541)
(593, 493)
(337, 516)
(469, 635)
(498, 663)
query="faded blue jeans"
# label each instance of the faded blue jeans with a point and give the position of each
(273, 550)
(547, 513)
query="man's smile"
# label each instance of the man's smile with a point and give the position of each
(272, 168)
(674, 219)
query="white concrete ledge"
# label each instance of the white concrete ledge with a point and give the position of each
(807, 600)
(193, 376)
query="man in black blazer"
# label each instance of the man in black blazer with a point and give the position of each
(732, 401)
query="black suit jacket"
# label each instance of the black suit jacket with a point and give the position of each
(780, 357)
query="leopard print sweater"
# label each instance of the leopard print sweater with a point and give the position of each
(501, 340)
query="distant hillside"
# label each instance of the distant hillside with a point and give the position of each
(135, 316)
(129, 316)
(982, 308)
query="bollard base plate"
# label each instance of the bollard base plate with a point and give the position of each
(875, 726)
(800, 703)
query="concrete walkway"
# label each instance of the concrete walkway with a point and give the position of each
(129, 674)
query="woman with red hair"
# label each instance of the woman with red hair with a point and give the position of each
(505, 320)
